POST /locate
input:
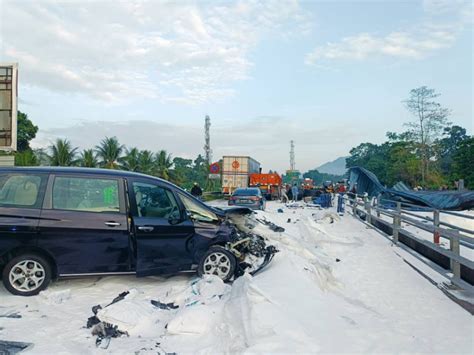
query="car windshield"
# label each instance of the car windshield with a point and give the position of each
(197, 211)
(246, 192)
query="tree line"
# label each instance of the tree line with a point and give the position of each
(319, 178)
(431, 153)
(111, 154)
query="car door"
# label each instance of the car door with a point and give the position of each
(162, 231)
(84, 224)
(21, 197)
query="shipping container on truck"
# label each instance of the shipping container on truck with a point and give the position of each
(269, 184)
(236, 171)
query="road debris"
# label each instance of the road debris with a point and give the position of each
(13, 347)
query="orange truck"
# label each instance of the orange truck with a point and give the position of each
(308, 184)
(269, 184)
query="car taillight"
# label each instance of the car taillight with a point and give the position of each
(255, 198)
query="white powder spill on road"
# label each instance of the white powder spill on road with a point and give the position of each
(335, 286)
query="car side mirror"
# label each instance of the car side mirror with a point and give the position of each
(175, 217)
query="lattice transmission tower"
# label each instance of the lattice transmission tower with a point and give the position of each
(207, 137)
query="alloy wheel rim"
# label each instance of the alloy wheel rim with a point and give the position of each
(217, 264)
(27, 275)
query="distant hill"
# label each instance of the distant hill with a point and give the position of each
(335, 167)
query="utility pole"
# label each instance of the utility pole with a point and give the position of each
(208, 151)
(292, 156)
(207, 138)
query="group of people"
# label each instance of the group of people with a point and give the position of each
(289, 190)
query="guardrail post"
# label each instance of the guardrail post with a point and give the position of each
(436, 226)
(397, 221)
(454, 246)
(378, 205)
(354, 206)
(368, 216)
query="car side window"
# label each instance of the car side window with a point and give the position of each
(155, 201)
(20, 190)
(86, 194)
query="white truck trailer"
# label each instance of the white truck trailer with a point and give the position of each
(236, 171)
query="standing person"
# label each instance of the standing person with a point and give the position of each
(283, 196)
(340, 203)
(353, 192)
(196, 191)
(294, 192)
(341, 189)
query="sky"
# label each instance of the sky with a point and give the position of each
(327, 74)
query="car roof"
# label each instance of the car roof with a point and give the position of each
(79, 170)
(98, 171)
(249, 189)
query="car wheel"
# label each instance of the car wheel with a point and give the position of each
(217, 261)
(26, 275)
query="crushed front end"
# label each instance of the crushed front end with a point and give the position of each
(250, 249)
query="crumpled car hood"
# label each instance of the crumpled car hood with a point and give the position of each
(225, 212)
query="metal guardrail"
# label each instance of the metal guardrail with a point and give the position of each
(456, 235)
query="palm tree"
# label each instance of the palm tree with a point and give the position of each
(109, 151)
(146, 162)
(163, 163)
(131, 160)
(88, 159)
(62, 153)
(42, 156)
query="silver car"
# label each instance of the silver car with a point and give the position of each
(249, 197)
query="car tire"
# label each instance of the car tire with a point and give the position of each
(217, 261)
(26, 275)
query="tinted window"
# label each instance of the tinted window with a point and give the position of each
(246, 192)
(86, 194)
(21, 190)
(154, 201)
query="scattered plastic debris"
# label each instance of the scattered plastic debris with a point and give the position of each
(104, 332)
(13, 347)
(165, 306)
(11, 314)
(118, 298)
(294, 205)
(313, 205)
(272, 225)
(102, 329)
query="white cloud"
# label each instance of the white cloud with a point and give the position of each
(415, 42)
(113, 50)
(462, 8)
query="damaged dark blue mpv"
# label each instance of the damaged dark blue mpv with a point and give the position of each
(66, 222)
